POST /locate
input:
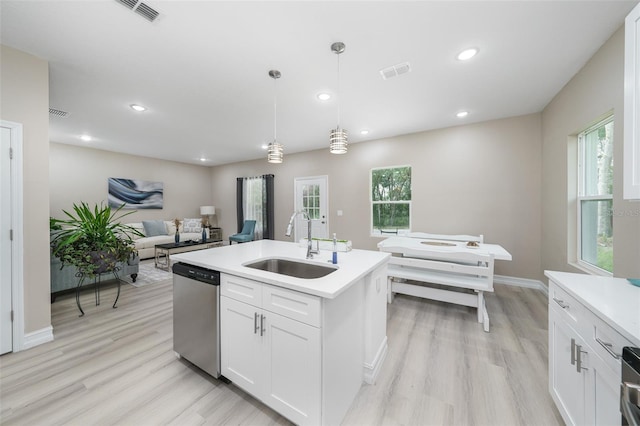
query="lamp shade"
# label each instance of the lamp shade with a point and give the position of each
(207, 210)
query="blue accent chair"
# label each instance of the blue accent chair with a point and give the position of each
(246, 234)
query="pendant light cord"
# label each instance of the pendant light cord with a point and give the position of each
(275, 108)
(339, 97)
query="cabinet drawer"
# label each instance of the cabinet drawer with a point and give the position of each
(607, 343)
(562, 301)
(292, 304)
(241, 289)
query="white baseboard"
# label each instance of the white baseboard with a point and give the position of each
(36, 338)
(371, 370)
(521, 282)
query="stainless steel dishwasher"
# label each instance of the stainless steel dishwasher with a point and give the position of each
(196, 316)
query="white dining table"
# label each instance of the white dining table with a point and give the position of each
(443, 260)
(437, 247)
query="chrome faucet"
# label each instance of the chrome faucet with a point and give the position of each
(310, 251)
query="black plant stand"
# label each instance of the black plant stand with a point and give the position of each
(96, 283)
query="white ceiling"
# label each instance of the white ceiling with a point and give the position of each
(202, 67)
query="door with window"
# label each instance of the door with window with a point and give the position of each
(311, 196)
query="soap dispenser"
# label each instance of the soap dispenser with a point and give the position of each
(334, 258)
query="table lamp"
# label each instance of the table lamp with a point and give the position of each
(207, 212)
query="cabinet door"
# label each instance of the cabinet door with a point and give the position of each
(566, 384)
(293, 368)
(631, 187)
(603, 391)
(241, 345)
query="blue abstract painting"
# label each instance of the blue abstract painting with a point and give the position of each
(135, 194)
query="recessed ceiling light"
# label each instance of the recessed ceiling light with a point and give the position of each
(203, 159)
(462, 114)
(324, 96)
(86, 138)
(137, 107)
(467, 54)
(364, 132)
(264, 146)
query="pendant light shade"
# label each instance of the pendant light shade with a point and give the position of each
(338, 140)
(275, 150)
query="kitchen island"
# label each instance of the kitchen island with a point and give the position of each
(302, 346)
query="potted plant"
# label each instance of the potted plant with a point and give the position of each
(92, 240)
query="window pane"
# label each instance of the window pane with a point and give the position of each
(597, 233)
(597, 164)
(388, 216)
(393, 184)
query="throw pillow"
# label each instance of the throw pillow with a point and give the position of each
(192, 225)
(153, 228)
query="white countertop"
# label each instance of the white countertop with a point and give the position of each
(615, 300)
(352, 265)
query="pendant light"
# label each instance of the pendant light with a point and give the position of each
(275, 150)
(338, 137)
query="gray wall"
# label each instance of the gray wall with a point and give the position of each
(25, 99)
(593, 92)
(80, 174)
(479, 179)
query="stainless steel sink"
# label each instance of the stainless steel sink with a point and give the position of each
(292, 268)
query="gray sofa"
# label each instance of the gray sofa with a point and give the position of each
(64, 278)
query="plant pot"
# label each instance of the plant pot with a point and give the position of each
(103, 261)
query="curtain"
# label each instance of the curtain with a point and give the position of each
(254, 201)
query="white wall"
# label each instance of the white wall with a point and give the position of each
(593, 92)
(479, 179)
(25, 99)
(80, 174)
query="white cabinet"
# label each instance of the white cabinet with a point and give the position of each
(632, 105)
(584, 364)
(271, 356)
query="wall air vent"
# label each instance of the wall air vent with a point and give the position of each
(147, 12)
(395, 70)
(141, 9)
(58, 113)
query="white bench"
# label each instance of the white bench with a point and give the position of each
(467, 270)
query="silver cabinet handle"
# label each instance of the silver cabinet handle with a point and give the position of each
(255, 323)
(561, 303)
(579, 353)
(262, 329)
(573, 351)
(608, 347)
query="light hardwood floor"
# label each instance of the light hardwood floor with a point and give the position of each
(117, 366)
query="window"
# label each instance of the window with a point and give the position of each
(311, 200)
(391, 200)
(595, 196)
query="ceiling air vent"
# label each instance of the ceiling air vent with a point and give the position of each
(141, 9)
(58, 113)
(147, 12)
(395, 70)
(128, 3)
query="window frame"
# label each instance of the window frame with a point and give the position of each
(580, 197)
(379, 234)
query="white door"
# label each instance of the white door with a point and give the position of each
(311, 196)
(6, 326)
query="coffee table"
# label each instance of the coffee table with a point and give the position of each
(163, 252)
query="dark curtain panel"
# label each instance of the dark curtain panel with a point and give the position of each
(266, 210)
(269, 228)
(239, 197)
